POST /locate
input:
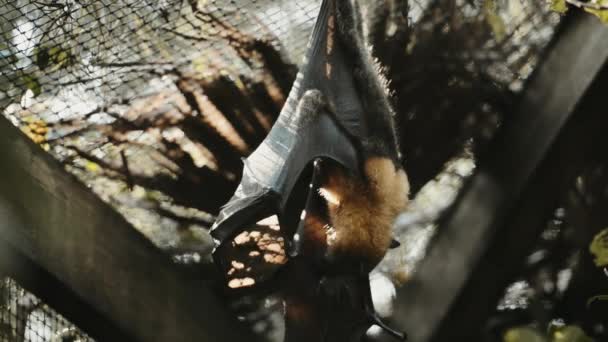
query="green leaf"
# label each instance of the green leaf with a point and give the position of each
(570, 333)
(559, 6)
(600, 13)
(523, 334)
(32, 83)
(599, 248)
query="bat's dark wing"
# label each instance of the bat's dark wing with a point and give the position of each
(273, 169)
(252, 228)
(323, 117)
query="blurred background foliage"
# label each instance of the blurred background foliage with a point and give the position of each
(599, 8)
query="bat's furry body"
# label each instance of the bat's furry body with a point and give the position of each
(362, 213)
(368, 206)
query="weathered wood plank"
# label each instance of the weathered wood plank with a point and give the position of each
(54, 220)
(432, 306)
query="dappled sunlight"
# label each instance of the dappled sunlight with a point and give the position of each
(254, 255)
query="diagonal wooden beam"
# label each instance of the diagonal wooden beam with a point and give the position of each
(56, 295)
(467, 266)
(61, 226)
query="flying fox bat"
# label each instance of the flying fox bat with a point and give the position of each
(327, 183)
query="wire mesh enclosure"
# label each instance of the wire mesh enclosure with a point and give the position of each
(152, 105)
(24, 317)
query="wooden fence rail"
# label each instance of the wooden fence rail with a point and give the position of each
(53, 220)
(484, 239)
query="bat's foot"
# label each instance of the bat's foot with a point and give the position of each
(375, 319)
(371, 313)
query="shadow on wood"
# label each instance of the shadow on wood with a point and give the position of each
(57, 223)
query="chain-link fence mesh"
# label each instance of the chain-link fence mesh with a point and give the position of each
(153, 104)
(25, 318)
(157, 97)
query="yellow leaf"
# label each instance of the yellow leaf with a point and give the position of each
(599, 248)
(600, 13)
(494, 20)
(523, 334)
(559, 6)
(93, 167)
(570, 333)
(200, 65)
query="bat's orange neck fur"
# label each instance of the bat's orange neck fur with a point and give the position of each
(362, 213)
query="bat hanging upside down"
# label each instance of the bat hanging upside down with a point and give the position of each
(328, 181)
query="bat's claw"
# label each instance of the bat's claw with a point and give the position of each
(399, 335)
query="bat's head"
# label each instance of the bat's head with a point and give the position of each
(347, 219)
